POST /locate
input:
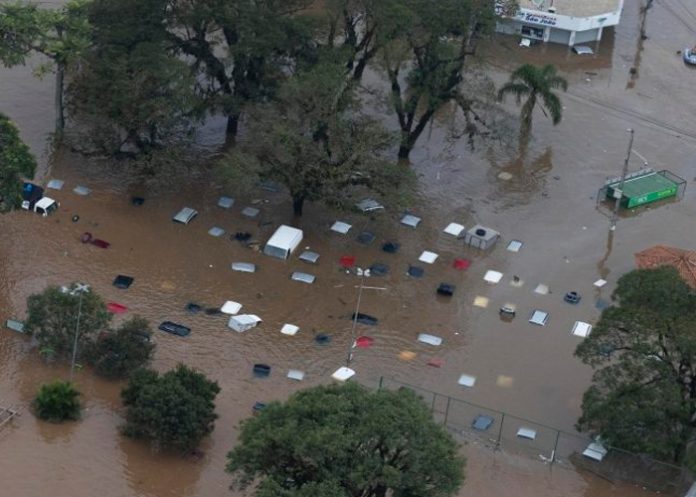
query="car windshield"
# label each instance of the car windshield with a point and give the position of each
(51, 208)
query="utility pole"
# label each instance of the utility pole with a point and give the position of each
(349, 356)
(80, 289)
(618, 193)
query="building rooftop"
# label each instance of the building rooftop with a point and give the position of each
(574, 8)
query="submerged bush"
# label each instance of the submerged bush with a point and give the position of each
(57, 401)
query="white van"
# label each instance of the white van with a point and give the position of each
(283, 242)
(45, 206)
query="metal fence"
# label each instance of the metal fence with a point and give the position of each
(547, 444)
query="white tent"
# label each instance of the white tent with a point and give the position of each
(243, 322)
(283, 242)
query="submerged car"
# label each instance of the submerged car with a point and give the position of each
(33, 200)
(689, 56)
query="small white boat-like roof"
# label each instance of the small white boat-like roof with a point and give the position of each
(303, 277)
(185, 215)
(243, 322)
(539, 317)
(429, 339)
(343, 374)
(231, 307)
(428, 257)
(582, 329)
(244, 267)
(341, 227)
(527, 433)
(467, 380)
(369, 205)
(410, 220)
(289, 329)
(309, 256)
(296, 374)
(55, 184)
(454, 229)
(225, 202)
(595, 451)
(583, 50)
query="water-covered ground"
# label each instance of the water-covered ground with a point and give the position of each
(549, 204)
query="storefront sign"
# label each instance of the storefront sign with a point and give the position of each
(544, 19)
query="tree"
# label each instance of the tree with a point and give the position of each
(52, 318)
(426, 65)
(240, 48)
(16, 163)
(643, 393)
(57, 401)
(346, 441)
(359, 29)
(535, 83)
(116, 354)
(314, 141)
(61, 35)
(131, 90)
(172, 411)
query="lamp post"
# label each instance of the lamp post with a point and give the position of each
(79, 289)
(618, 192)
(349, 356)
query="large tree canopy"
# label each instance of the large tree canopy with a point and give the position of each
(240, 49)
(16, 163)
(315, 142)
(172, 411)
(132, 89)
(346, 441)
(52, 318)
(59, 34)
(117, 353)
(643, 394)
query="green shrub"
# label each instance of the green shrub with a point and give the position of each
(57, 401)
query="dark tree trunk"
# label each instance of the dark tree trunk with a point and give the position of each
(405, 149)
(360, 68)
(297, 205)
(232, 125)
(58, 99)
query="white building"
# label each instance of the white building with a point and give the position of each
(569, 22)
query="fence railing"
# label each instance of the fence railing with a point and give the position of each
(514, 434)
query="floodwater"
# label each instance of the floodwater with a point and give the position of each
(548, 204)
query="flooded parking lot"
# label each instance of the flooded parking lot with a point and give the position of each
(548, 204)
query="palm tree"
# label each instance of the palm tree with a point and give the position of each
(535, 83)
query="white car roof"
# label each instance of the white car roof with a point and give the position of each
(45, 202)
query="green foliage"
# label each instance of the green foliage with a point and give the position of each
(643, 393)
(59, 34)
(57, 401)
(427, 61)
(345, 441)
(240, 48)
(116, 354)
(16, 163)
(172, 411)
(52, 318)
(132, 90)
(535, 83)
(314, 141)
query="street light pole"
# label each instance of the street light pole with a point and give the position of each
(349, 356)
(81, 289)
(617, 204)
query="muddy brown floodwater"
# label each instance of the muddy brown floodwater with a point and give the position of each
(549, 204)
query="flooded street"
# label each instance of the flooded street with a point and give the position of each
(549, 204)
